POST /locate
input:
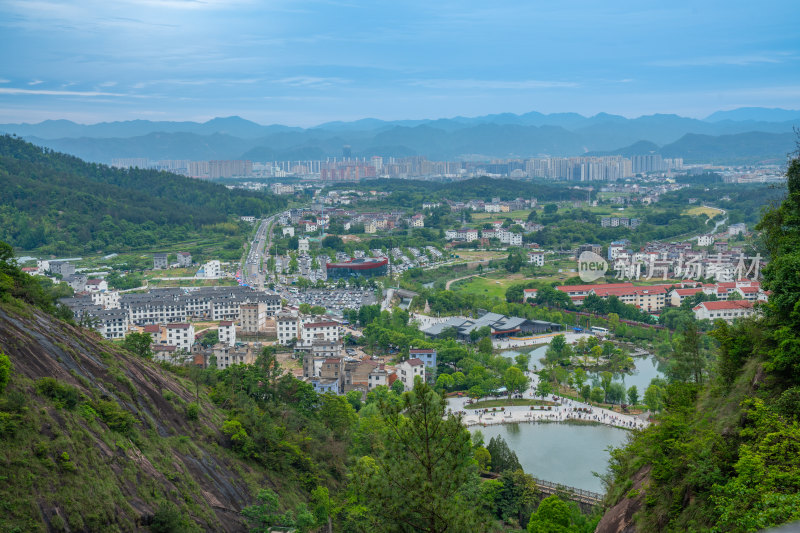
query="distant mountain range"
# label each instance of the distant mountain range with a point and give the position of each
(740, 135)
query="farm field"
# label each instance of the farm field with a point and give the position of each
(703, 210)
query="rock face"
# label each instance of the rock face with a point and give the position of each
(110, 479)
(620, 518)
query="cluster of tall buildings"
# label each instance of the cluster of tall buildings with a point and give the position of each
(196, 169)
(585, 168)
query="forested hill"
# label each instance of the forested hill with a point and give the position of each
(723, 453)
(60, 204)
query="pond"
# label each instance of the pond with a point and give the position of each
(560, 452)
(647, 368)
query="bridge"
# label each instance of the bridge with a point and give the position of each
(574, 494)
(548, 488)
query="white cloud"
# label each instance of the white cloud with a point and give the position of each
(48, 92)
(311, 82)
(35, 82)
(712, 61)
(493, 84)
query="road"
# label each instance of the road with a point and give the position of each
(252, 274)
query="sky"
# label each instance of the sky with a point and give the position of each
(306, 62)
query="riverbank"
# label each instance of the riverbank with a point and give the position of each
(565, 411)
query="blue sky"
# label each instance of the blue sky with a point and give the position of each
(306, 62)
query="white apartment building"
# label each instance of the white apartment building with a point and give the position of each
(212, 269)
(107, 300)
(287, 328)
(536, 258)
(288, 231)
(303, 245)
(181, 336)
(408, 370)
(705, 240)
(312, 331)
(227, 333)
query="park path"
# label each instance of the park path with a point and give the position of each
(450, 282)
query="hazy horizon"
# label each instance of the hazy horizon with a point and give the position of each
(308, 62)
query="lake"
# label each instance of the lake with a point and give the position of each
(560, 452)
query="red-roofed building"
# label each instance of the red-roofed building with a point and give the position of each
(677, 296)
(650, 298)
(728, 310)
(581, 291)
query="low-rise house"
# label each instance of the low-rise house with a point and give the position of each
(160, 261)
(96, 285)
(728, 310)
(426, 355)
(408, 370)
(184, 259)
(536, 258)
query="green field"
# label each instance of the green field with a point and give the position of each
(486, 286)
(703, 210)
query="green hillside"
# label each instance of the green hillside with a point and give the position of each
(58, 204)
(723, 455)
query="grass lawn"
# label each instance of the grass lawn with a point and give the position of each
(514, 402)
(489, 217)
(487, 286)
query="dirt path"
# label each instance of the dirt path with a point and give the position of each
(447, 285)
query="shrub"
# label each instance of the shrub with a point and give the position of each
(167, 518)
(63, 395)
(115, 416)
(192, 411)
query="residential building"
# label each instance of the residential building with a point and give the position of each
(96, 285)
(253, 317)
(227, 333)
(536, 258)
(327, 330)
(287, 328)
(596, 248)
(705, 240)
(111, 323)
(181, 336)
(64, 268)
(303, 245)
(737, 229)
(426, 355)
(184, 259)
(288, 231)
(418, 221)
(160, 261)
(728, 310)
(408, 370)
(377, 377)
(228, 355)
(212, 269)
